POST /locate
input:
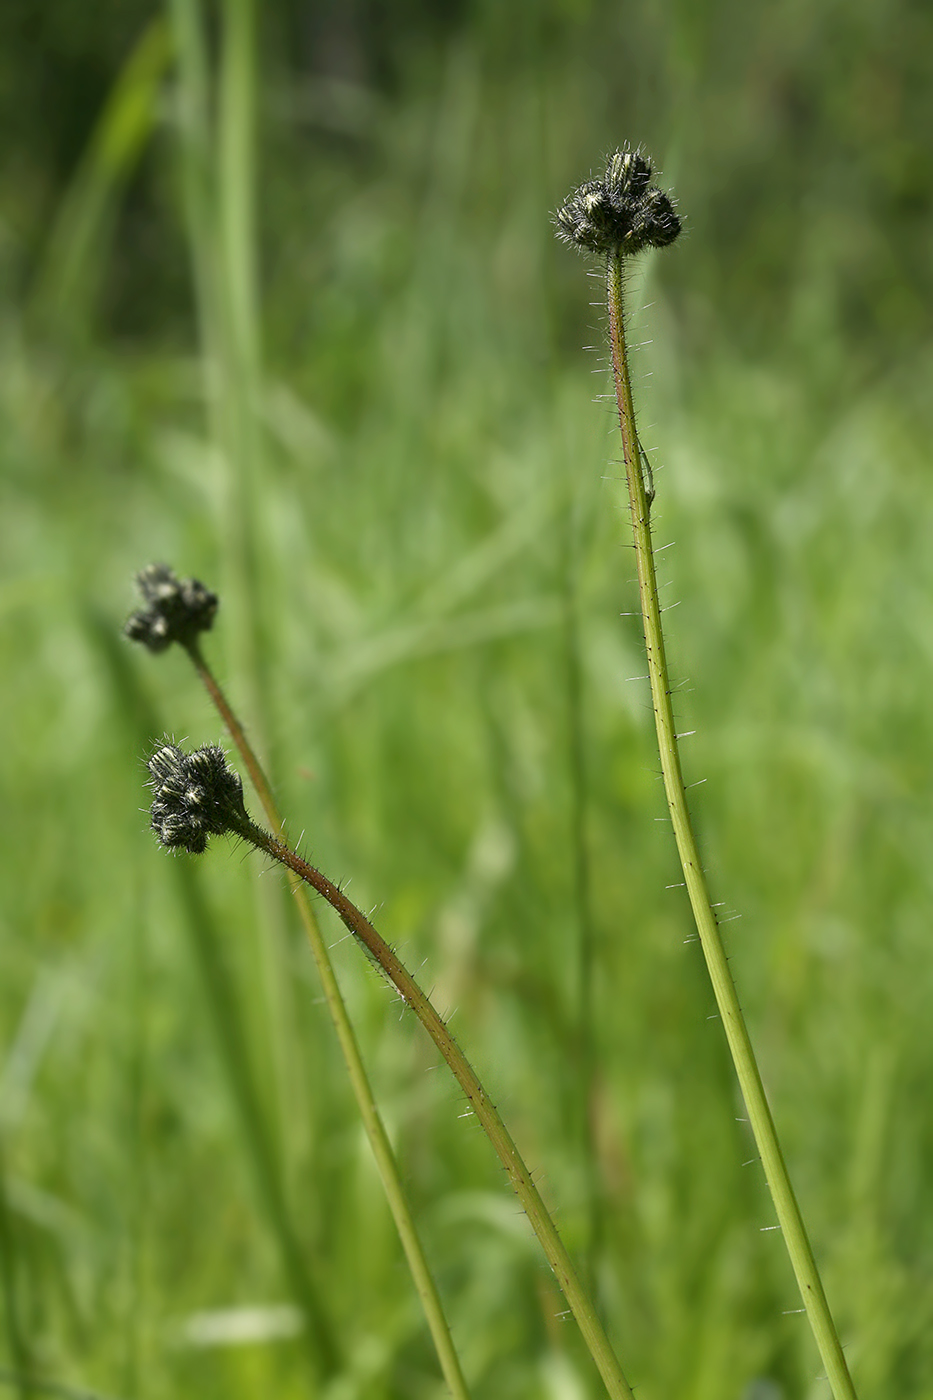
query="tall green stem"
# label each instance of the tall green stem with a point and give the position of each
(743, 1056)
(369, 1113)
(382, 955)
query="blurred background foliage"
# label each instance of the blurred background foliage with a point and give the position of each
(313, 342)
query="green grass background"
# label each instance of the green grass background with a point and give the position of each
(398, 479)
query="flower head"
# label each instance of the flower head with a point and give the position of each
(195, 796)
(176, 609)
(623, 211)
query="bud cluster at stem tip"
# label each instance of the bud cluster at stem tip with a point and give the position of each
(623, 212)
(176, 609)
(195, 796)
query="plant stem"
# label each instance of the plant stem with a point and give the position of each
(9, 1283)
(582, 903)
(372, 1121)
(385, 959)
(216, 146)
(223, 249)
(319, 1334)
(743, 1056)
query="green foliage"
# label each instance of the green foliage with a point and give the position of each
(440, 546)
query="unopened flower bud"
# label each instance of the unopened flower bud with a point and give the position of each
(195, 796)
(176, 609)
(622, 212)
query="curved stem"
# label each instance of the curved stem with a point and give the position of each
(743, 1056)
(392, 968)
(369, 1112)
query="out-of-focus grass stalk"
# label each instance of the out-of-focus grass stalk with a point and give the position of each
(222, 230)
(9, 1283)
(582, 904)
(215, 125)
(372, 1121)
(217, 164)
(743, 1056)
(75, 251)
(238, 389)
(238, 295)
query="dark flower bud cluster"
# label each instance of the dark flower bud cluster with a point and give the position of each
(195, 796)
(176, 609)
(623, 211)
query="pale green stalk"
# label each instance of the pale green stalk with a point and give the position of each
(743, 1056)
(369, 1113)
(221, 214)
(9, 1282)
(217, 122)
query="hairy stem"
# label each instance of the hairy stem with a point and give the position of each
(743, 1056)
(391, 967)
(372, 1120)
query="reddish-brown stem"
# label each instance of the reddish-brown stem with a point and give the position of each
(486, 1112)
(237, 734)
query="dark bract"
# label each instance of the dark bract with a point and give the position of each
(176, 609)
(622, 212)
(194, 796)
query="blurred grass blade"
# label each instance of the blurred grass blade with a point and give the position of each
(9, 1282)
(217, 168)
(28, 1385)
(221, 220)
(80, 237)
(215, 130)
